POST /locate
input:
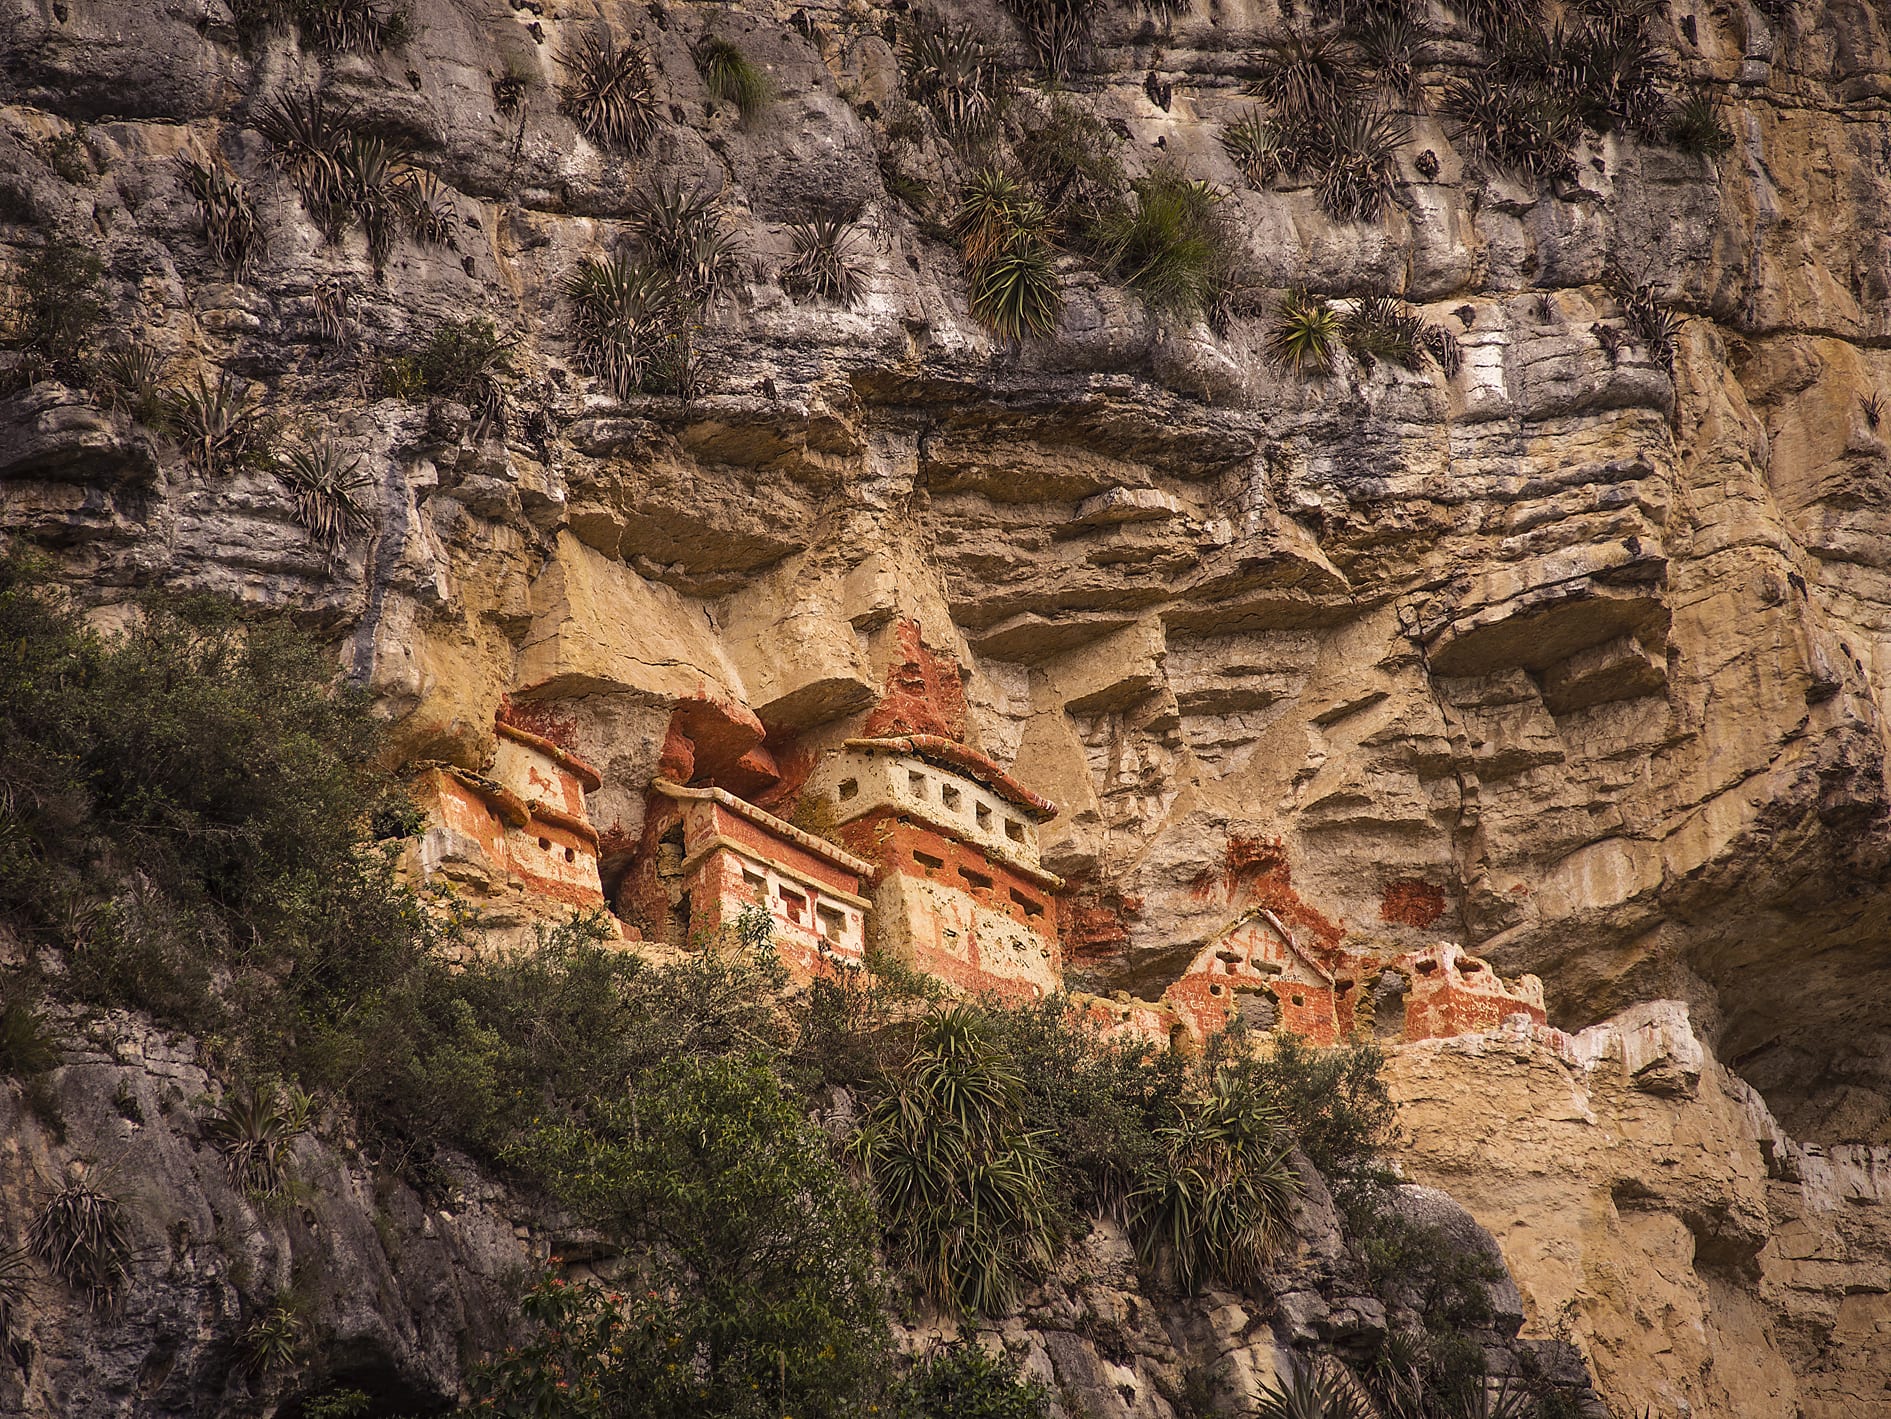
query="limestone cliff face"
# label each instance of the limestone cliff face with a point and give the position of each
(1566, 659)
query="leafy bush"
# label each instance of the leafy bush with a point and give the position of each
(55, 308)
(1069, 161)
(272, 1340)
(28, 1053)
(80, 1232)
(608, 92)
(952, 72)
(1177, 249)
(1306, 333)
(465, 360)
(219, 425)
(1335, 1101)
(760, 1287)
(822, 266)
(1221, 1198)
(961, 1185)
(1004, 234)
(963, 1380)
(224, 208)
(323, 482)
(731, 79)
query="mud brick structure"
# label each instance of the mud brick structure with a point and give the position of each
(518, 834)
(958, 892)
(716, 856)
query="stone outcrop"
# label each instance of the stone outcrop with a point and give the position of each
(1571, 660)
(1652, 1209)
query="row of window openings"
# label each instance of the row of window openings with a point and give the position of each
(831, 922)
(978, 880)
(951, 797)
(544, 844)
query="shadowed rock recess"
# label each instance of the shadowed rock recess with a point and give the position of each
(1567, 652)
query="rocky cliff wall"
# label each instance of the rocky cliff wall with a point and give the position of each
(1569, 659)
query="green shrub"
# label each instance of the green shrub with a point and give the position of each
(56, 304)
(1220, 1197)
(963, 1380)
(731, 79)
(29, 1052)
(761, 1283)
(1177, 248)
(15, 1278)
(1335, 1102)
(608, 93)
(1070, 161)
(465, 360)
(961, 1185)
(1306, 333)
(822, 266)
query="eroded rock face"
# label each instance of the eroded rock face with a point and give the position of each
(1650, 1206)
(1568, 660)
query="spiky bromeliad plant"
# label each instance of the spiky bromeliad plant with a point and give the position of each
(253, 1128)
(731, 78)
(624, 312)
(954, 74)
(1385, 328)
(682, 232)
(1221, 1196)
(1696, 126)
(81, 1233)
(1004, 234)
(607, 92)
(219, 425)
(822, 266)
(323, 482)
(960, 1183)
(1316, 1390)
(224, 208)
(1306, 333)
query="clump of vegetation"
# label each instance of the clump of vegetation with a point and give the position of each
(81, 1234)
(348, 176)
(69, 155)
(608, 92)
(1653, 322)
(219, 424)
(956, 76)
(682, 233)
(466, 360)
(431, 218)
(1004, 236)
(1176, 248)
(272, 1340)
(1070, 161)
(960, 1182)
(1222, 1199)
(962, 1378)
(1254, 144)
(224, 208)
(324, 483)
(1385, 328)
(134, 374)
(1510, 123)
(15, 1277)
(822, 266)
(1394, 46)
(1696, 126)
(1059, 31)
(626, 318)
(1871, 405)
(1316, 1391)
(1306, 333)
(28, 1053)
(56, 306)
(331, 26)
(731, 78)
